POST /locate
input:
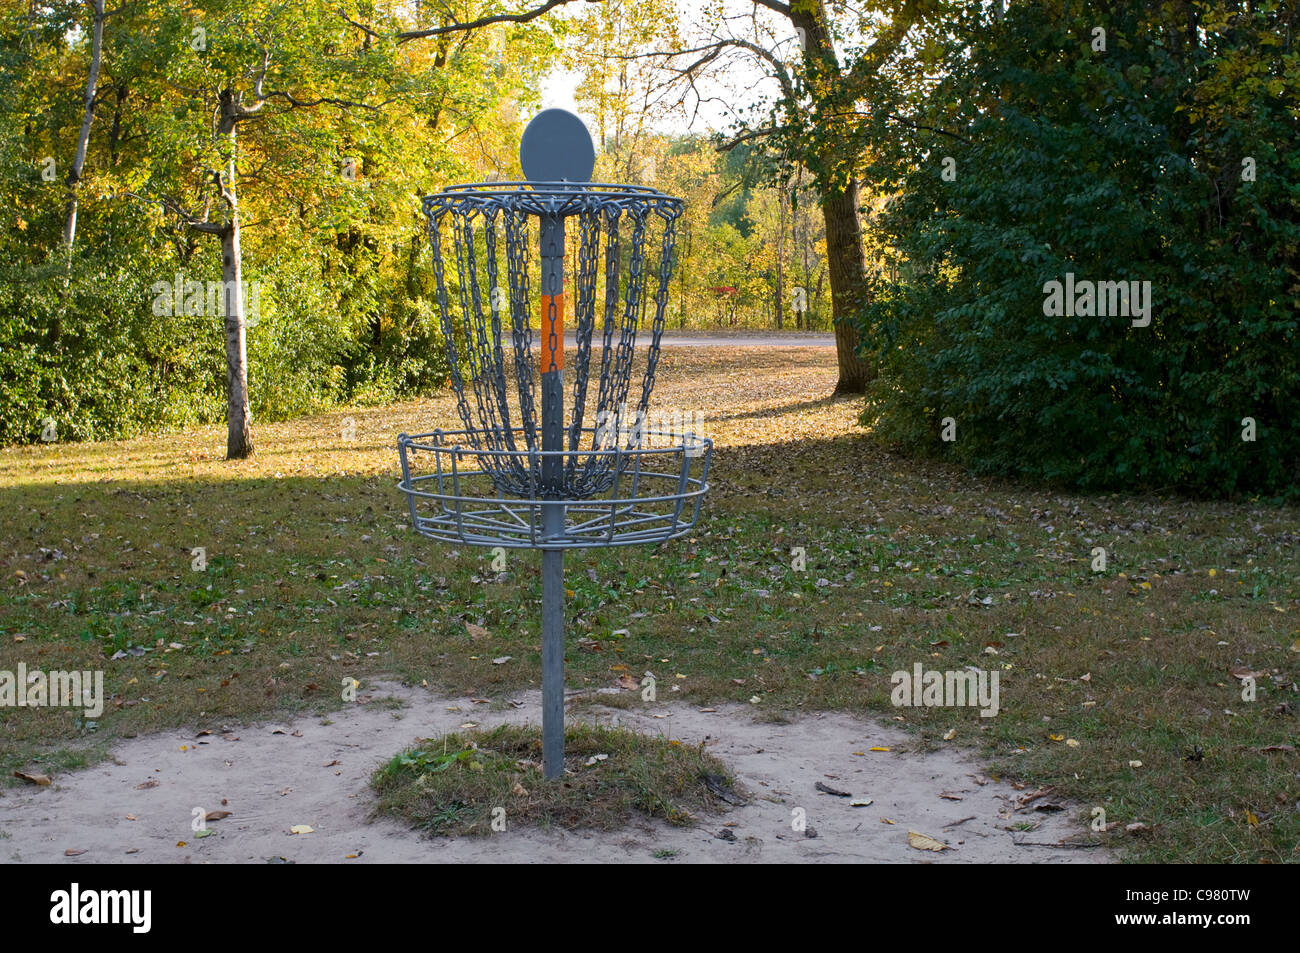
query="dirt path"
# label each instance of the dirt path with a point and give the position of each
(137, 806)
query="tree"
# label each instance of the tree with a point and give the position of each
(808, 124)
(1151, 170)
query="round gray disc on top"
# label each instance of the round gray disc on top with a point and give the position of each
(556, 147)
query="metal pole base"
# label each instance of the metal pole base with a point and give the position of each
(553, 663)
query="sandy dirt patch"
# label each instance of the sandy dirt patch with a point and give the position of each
(137, 807)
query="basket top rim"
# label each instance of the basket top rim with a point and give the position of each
(556, 197)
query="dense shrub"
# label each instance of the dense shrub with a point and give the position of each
(1119, 165)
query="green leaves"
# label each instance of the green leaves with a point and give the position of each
(1098, 166)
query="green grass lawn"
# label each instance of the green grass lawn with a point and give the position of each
(1116, 686)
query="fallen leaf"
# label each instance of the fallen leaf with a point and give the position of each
(501, 660)
(596, 758)
(628, 682)
(151, 783)
(949, 796)
(925, 842)
(216, 815)
(950, 734)
(1026, 799)
(1286, 748)
(41, 779)
(834, 792)
(477, 631)
(881, 749)
(73, 852)
(302, 829)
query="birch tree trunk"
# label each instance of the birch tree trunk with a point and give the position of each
(239, 417)
(83, 138)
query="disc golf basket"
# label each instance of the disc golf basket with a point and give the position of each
(525, 471)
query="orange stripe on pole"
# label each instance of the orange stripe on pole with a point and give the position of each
(552, 323)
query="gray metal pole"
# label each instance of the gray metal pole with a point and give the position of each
(552, 365)
(553, 663)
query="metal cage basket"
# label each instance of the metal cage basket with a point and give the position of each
(653, 492)
(524, 473)
(535, 466)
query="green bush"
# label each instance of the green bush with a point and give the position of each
(1115, 166)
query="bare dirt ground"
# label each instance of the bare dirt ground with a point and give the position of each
(137, 807)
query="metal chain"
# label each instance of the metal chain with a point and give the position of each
(473, 340)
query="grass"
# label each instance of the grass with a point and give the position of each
(478, 782)
(312, 576)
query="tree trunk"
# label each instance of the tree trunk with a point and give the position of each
(239, 432)
(847, 267)
(780, 259)
(839, 204)
(83, 137)
(239, 418)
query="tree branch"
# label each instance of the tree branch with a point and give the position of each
(524, 17)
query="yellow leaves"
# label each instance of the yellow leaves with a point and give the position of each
(925, 842)
(1056, 737)
(881, 748)
(302, 829)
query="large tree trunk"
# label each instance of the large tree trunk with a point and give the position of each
(839, 204)
(847, 267)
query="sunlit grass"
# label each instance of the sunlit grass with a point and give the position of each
(312, 576)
